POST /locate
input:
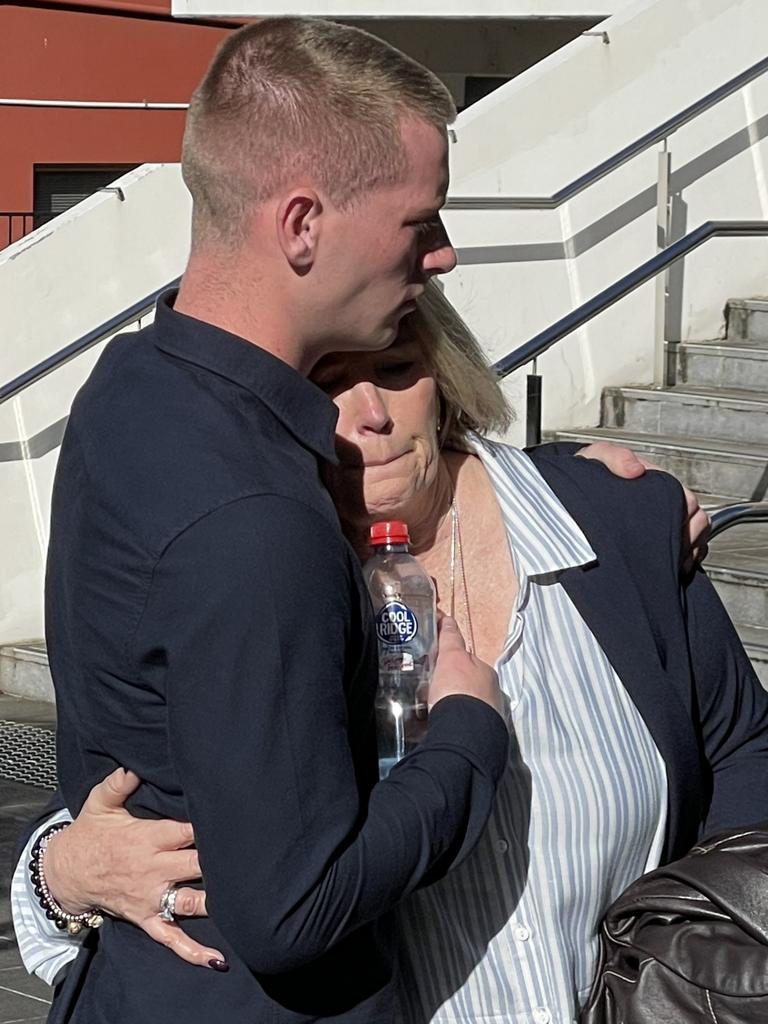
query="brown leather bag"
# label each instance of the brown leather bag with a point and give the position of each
(689, 941)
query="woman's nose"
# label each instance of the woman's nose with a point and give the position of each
(370, 409)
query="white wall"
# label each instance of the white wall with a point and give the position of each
(555, 122)
(399, 8)
(55, 285)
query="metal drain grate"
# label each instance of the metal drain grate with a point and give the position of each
(27, 754)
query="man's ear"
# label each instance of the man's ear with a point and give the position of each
(299, 217)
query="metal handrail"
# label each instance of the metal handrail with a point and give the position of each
(640, 275)
(112, 326)
(722, 519)
(618, 159)
(733, 515)
(522, 355)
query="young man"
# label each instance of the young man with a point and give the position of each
(207, 624)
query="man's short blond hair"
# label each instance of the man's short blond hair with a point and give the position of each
(301, 101)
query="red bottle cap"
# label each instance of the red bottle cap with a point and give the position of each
(389, 532)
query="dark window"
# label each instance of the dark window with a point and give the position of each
(478, 86)
(59, 188)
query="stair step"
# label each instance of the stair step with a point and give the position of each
(743, 589)
(24, 671)
(748, 319)
(755, 640)
(732, 470)
(685, 411)
(721, 365)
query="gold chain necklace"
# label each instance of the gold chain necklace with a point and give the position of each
(457, 559)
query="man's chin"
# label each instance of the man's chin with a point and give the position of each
(385, 336)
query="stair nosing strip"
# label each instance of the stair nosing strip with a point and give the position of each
(702, 397)
(586, 432)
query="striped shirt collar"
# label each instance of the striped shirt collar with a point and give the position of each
(543, 535)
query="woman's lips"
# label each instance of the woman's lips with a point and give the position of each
(373, 463)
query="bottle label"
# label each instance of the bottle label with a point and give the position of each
(396, 623)
(396, 661)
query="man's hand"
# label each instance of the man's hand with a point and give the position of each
(621, 461)
(625, 463)
(459, 672)
(109, 859)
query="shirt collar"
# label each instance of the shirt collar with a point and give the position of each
(543, 535)
(301, 406)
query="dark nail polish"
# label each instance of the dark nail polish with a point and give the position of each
(219, 965)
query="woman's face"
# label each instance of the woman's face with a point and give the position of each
(386, 437)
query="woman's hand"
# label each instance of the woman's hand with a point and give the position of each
(109, 859)
(625, 463)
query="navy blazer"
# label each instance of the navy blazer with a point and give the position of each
(671, 644)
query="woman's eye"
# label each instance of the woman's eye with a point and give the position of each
(330, 385)
(401, 369)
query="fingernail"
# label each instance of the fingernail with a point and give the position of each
(219, 965)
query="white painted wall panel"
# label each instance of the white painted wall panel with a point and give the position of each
(398, 8)
(55, 285)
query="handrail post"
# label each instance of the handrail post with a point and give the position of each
(660, 375)
(533, 407)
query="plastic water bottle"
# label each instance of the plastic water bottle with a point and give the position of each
(406, 626)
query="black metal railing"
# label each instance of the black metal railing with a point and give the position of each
(98, 334)
(640, 275)
(722, 519)
(15, 224)
(733, 515)
(623, 156)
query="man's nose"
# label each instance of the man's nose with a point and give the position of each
(440, 257)
(440, 261)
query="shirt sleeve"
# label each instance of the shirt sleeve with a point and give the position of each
(44, 948)
(249, 614)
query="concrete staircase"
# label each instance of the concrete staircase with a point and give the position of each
(710, 428)
(24, 671)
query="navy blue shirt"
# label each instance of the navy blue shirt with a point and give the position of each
(208, 627)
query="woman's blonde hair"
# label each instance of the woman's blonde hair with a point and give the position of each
(470, 396)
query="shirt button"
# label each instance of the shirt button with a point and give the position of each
(542, 1015)
(514, 705)
(522, 934)
(502, 845)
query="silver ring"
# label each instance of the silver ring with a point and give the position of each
(168, 904)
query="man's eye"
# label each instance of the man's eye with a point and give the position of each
(427, 227)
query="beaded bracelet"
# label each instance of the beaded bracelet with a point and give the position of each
(73, 923)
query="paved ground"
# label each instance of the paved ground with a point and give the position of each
(21, 998)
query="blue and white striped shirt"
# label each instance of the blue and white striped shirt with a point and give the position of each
(511, 935)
